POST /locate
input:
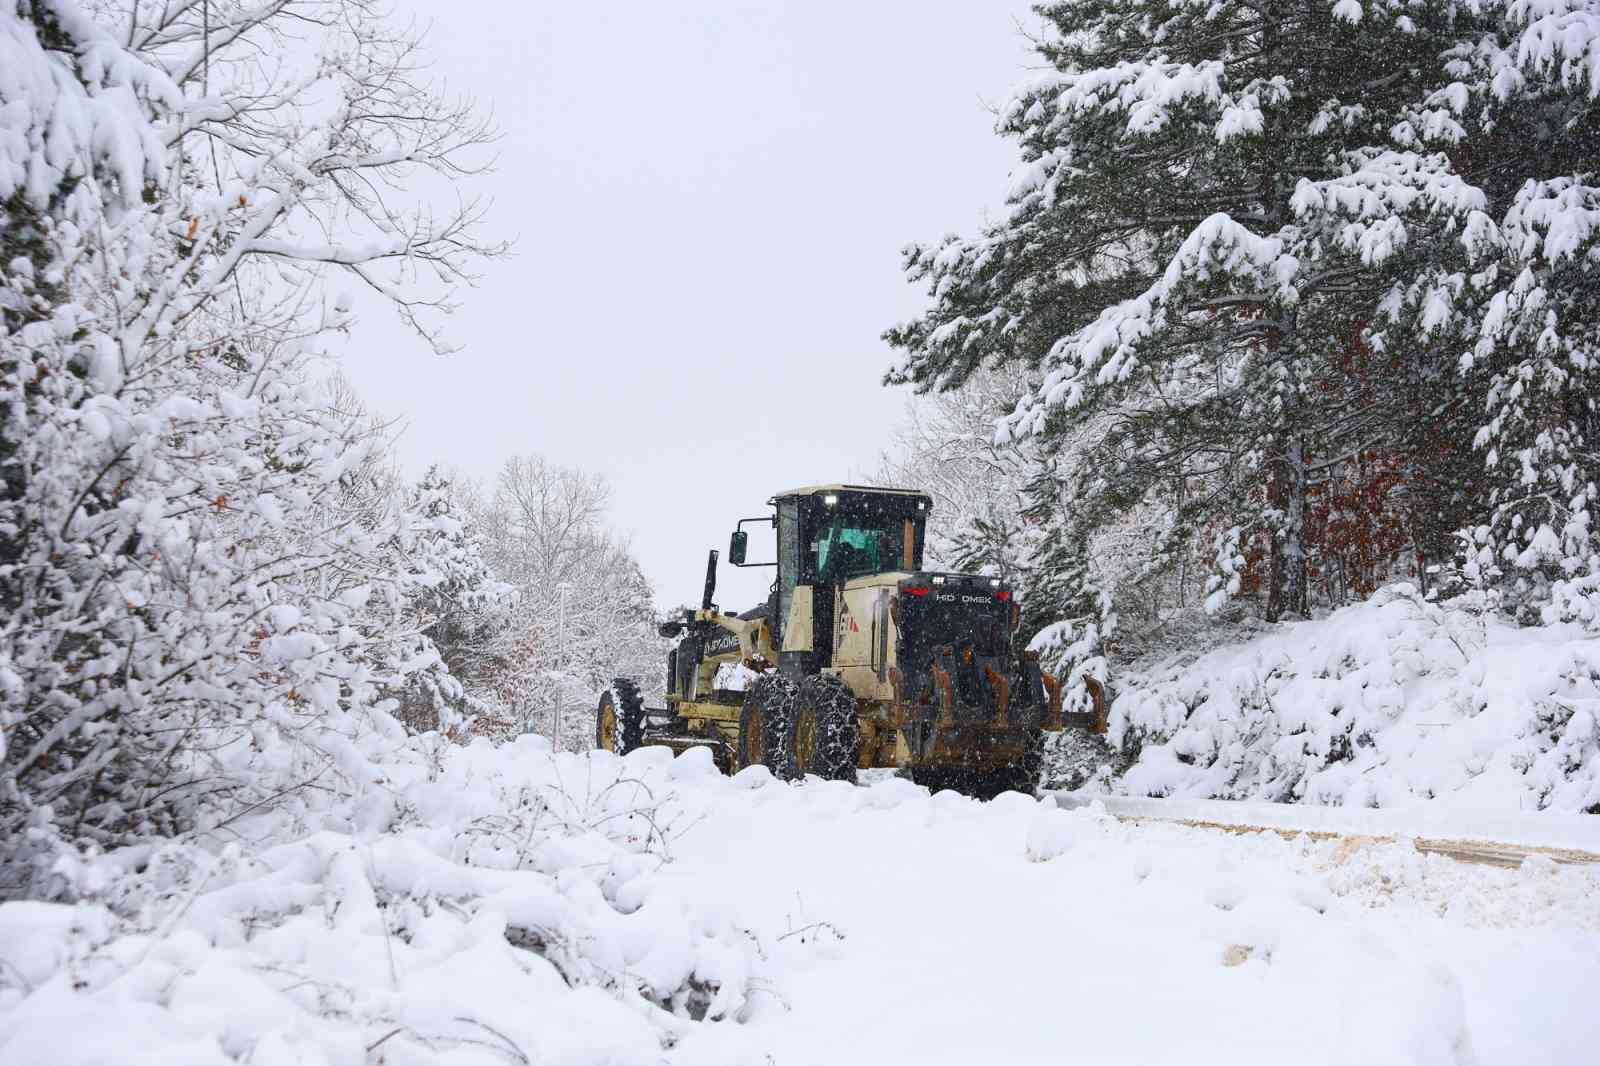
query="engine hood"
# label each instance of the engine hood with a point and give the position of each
(889, 580)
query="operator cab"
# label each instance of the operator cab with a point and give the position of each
(830, 534)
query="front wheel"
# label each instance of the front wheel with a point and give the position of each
(627, 706)
(605, 723)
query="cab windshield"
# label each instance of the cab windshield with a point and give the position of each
(852, 545)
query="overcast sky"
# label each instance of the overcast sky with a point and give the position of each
(709, 200)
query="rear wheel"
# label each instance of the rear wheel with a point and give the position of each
(939, 778)
(828, 729)
(766, 725)
(630, 715)
(1021, 776)
(1024, 776)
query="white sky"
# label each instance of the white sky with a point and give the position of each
(709, 201)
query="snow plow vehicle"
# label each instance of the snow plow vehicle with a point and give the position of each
(858, 659)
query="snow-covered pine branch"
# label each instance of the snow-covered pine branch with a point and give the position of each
(946, 446)
(1254, 244)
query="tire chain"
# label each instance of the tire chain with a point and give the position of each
(838, 726)
(1021, 776)
(630, 714)
(1032, 766)
(777, 700)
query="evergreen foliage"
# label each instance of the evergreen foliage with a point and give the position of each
(1290, 278)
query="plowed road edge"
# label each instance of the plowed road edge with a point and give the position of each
(1480, 852)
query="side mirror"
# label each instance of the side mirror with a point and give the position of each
(736, 546)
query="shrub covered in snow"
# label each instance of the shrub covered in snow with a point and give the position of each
(1384, 703)
(204, 600)
(502, 902)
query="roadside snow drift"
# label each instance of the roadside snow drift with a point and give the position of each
(501, 908)
(1391, 702)
(506, 905)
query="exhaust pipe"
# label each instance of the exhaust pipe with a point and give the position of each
(711, 581)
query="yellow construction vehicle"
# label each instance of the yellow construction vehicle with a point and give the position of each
(859, 658)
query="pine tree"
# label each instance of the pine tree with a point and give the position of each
(1525, 309)
(1067, 612)
(454, 607)
(1215, 199)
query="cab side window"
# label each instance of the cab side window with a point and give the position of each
(789, 560)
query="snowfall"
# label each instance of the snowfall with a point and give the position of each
(487, 905)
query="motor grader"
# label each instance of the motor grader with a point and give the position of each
(859, 658)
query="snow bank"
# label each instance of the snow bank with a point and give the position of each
(489, 905)
(1388, 703)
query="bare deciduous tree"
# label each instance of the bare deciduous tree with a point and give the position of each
(541, 527)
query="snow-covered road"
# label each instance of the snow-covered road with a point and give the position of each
(1019, 933)
(500, 906)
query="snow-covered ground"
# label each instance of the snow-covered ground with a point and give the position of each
(500, 905)
(1393, 702)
